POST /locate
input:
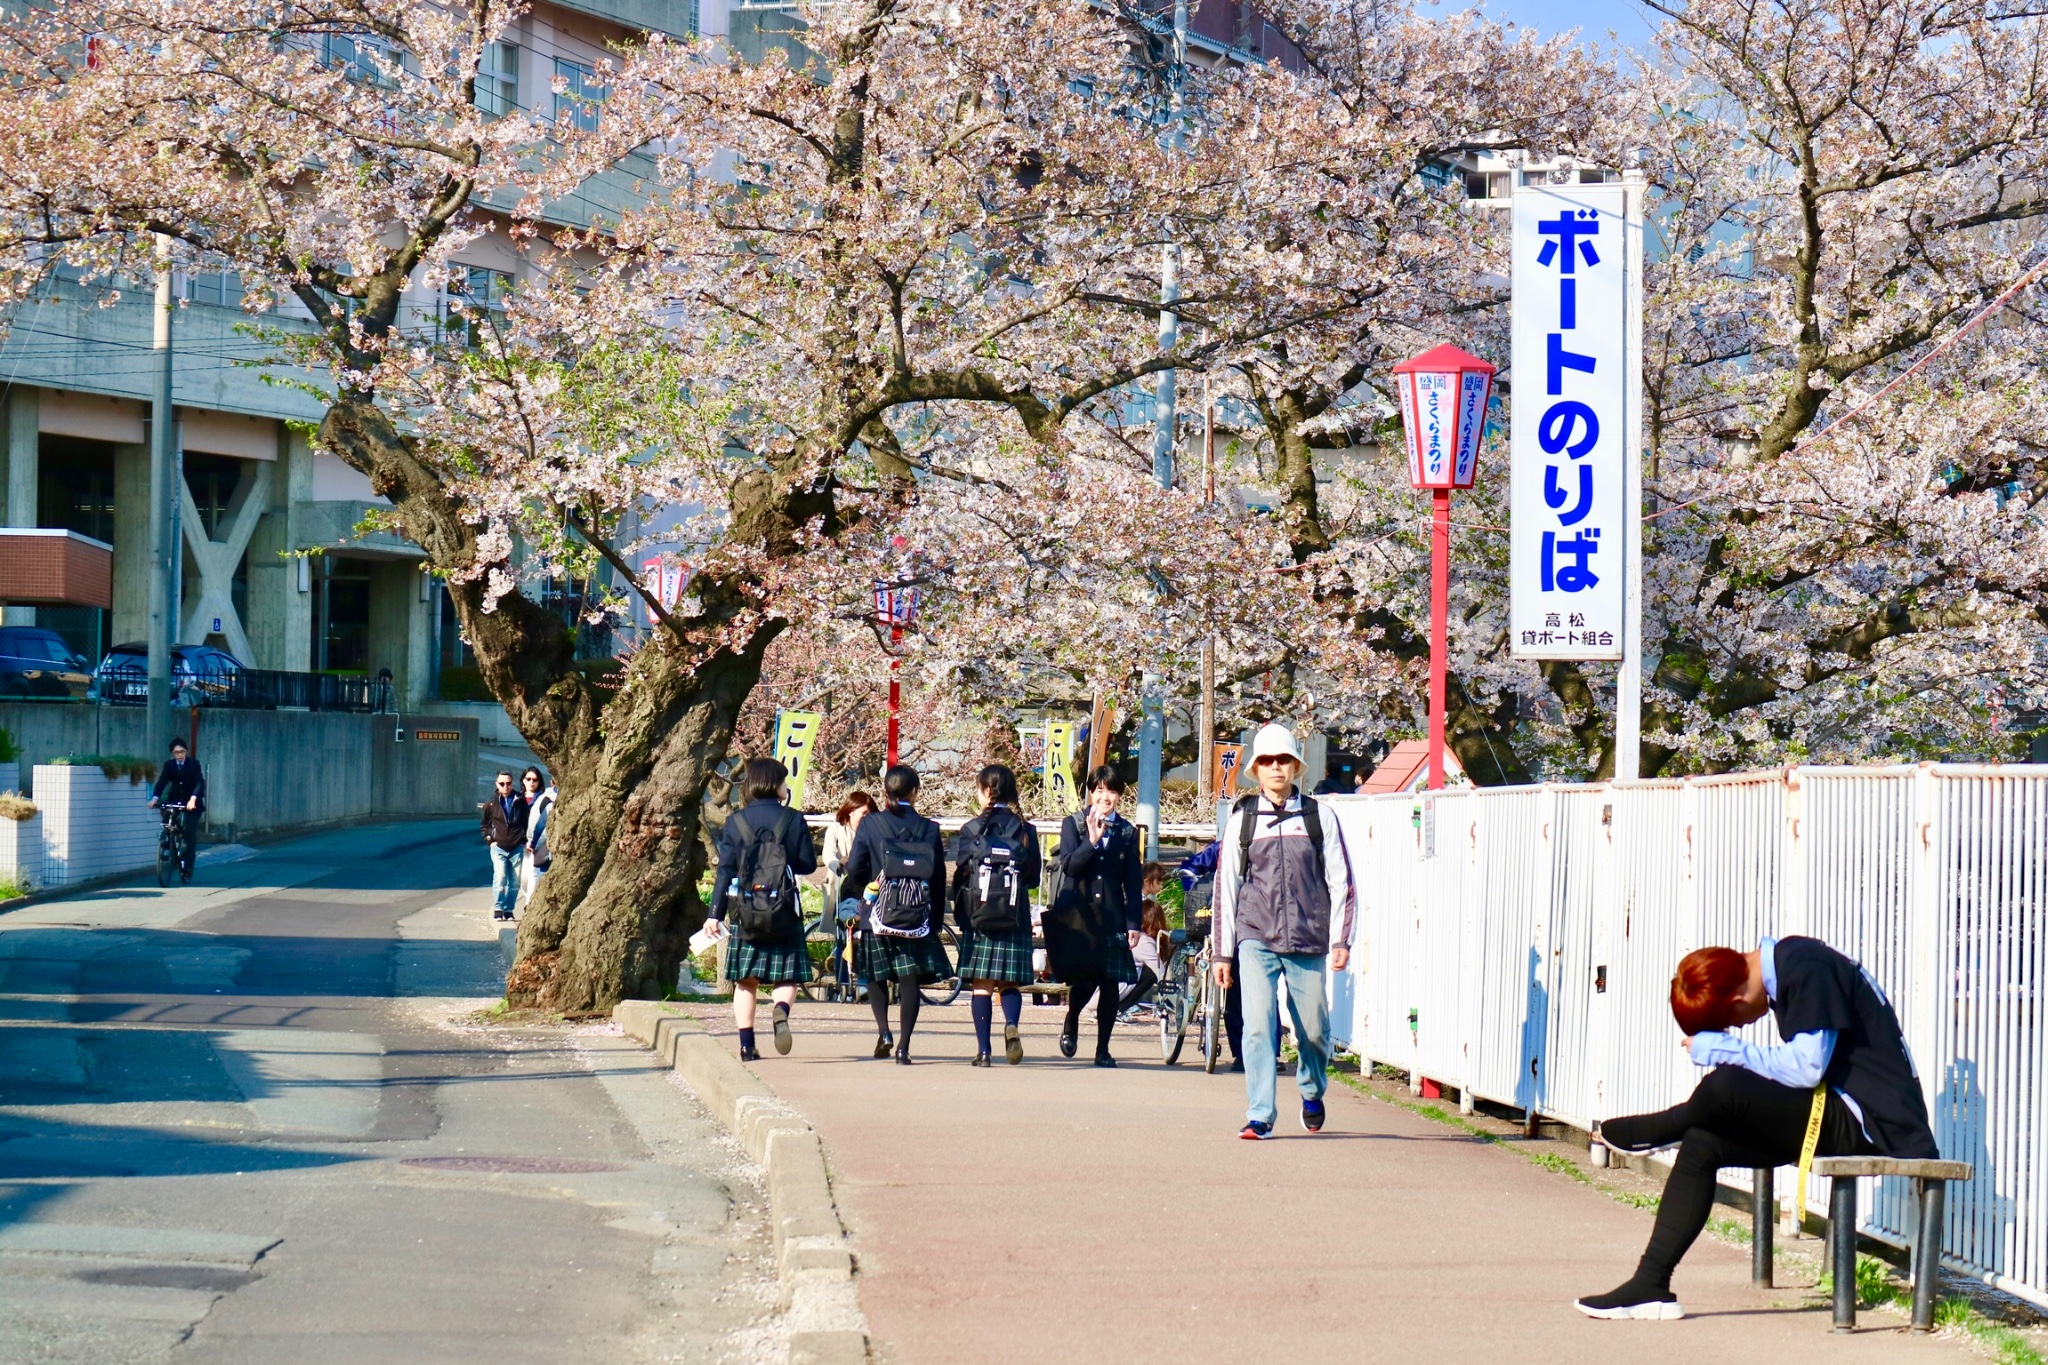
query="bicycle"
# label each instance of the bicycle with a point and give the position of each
(1172, 1000)
(1206, 1001)
(947, 991)
(171, 846)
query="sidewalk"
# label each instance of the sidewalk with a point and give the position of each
(1054, 1212)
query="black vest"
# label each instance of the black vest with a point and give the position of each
(1819, 988)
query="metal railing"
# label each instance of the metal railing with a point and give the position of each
(254, 689)
(1518, 943)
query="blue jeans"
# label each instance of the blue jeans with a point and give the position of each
(505, 876)
(1262, 971)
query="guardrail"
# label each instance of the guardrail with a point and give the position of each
(255, 689)
(1518, 943)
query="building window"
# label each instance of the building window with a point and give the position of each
(580, 94)
(1488, 184)
(497, 80)
(460, 308)
(218, 289)
(1596, 177)
(365, 58)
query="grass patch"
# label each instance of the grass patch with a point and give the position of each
(1561, 1164)
(136, 770)
(2007, 1346)
(12, 889)
(15, 806)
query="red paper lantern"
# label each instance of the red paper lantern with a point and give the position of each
(1443, 409)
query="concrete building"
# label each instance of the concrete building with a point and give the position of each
(77, 374)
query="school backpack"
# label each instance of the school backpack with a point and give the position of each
(994, 889)
(904, 908)
(766, 903)
(1311, 820)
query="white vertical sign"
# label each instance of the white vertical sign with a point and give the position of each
(1577, 292)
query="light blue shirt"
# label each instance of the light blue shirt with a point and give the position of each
(1800, 1062)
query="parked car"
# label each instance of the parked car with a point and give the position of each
(35, 662)
(196, 671)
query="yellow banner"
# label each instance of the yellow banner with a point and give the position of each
(1059, 766)
(795, 733)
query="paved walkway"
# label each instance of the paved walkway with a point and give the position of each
(1056, 1212)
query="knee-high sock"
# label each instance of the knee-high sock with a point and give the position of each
(1105, 1017)
(907, 1002)
(984, 1017)
(1013, 1007)
(878, 1001)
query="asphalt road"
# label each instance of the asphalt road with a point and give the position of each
(257, 1119)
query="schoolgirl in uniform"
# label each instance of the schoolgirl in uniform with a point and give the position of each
(778, 958)
(900, 942)
(996, 872)
(1091, 930)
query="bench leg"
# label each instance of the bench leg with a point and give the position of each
(1927, 1252)
(1763, 1216)
(1842, 1230)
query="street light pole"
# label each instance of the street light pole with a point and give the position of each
(163, 505)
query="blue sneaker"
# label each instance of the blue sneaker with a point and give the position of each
(1312, 1115)
(1254, 1131)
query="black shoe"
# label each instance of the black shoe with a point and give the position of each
(501, 914)
(750, 1054)
(1642, 1132)
(884, 1045)
(1104, 1059)
(1633, 1301)
(902, 1056)
(1312, 1115)
(1068, 1042)
(782, 1038)
(1013, 1046)
(981, 1059)
(1237, 1065)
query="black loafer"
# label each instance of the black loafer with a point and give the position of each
(1104, 1059)
(884, 1045)
(902, 1057)
(1013, 1046)
(750, 1054)
(982, 1059)
(1068, 1042)
(783, 1040)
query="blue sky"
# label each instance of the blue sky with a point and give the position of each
(1631, 22)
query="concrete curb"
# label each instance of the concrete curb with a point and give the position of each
(816, 1269)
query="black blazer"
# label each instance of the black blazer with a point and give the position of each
(1011, 829)
(796, 846)
(864, 863)
(1111, 877)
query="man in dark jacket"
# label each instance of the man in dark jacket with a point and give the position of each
(181, 785)
(504, 831)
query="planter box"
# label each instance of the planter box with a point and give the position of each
(21, 852)
(93, 825)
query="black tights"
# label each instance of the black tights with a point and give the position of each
(907, 1001)
(1104, 992)
(1147, 979)
(1735, 1118)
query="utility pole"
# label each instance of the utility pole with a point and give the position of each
(163, 513)
(1152, 727)
(1206, 755)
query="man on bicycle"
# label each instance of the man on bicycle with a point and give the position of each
(181, 786)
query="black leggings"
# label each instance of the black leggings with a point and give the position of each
(1147, 979)
(907, 1001)
(1735, 1118)
(1078, 991)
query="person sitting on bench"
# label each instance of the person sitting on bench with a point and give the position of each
(1843, 1054)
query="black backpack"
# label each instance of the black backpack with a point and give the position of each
(766, 904)
(1311, 820)
(994, 884)
(903, 910)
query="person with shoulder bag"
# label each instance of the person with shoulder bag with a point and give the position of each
(764, 847)
(905, 854)
(1091, 929)
(996, 871)
(1285, 910)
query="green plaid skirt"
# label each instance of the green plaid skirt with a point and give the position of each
(997, 957)
(885, 957)
(1117, 962)
(774, 964)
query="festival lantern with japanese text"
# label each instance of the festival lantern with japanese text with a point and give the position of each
(1443, 395)
(896, 608)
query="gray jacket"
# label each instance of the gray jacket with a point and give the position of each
(1283, 903)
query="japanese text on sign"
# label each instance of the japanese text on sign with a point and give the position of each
(1573, 291)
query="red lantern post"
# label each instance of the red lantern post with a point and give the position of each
(1443, 394)
(897, 607)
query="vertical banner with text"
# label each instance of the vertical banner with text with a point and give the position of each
(1577, 284)
(1223, 776)
(1059, 766)
(796, 732)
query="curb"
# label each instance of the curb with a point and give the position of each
(827, 1326)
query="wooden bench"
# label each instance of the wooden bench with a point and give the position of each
(1930, 1180)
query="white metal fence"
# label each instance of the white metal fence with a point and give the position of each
(1518, 943)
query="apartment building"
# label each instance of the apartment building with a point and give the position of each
(77, 376)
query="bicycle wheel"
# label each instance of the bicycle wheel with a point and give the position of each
(166, 857)
(947, 991)
(1173, 1010)
(1212, 1022)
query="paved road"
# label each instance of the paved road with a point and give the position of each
(254, 1120)
(1056, 1212)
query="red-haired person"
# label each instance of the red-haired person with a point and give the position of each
(1841, 1039)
